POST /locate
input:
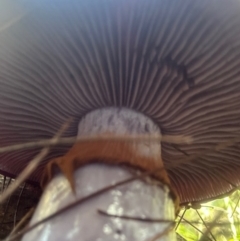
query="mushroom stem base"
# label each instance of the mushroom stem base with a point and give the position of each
(144, 200)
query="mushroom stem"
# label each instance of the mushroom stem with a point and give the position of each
(122, 213)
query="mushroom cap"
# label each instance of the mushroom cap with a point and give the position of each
(175, 61)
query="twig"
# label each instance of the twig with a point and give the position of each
(190, 223)
(148, 220)
(235, 208)
(235, 187)
(21, 223)
(13, 21)
(165, 231)
(7, 204)
(180, 220)
(213, 224)
(3, 184)
(209, 223)
(8, 183)
(205, 224)
(81, 201)
(18, 201)
(32, 165)
(218, 147)
(72, 140)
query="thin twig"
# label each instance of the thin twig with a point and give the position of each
(205, 224)
(191, 224)
(235, 208)
(180, 220)
(209, 223)
(32, 165)
(13, 21)
(72, 140)
(148, 220)
(18, 201)
(81, 201)
(213, 224)
(236, 187)
(7, 204)
(21, 223)
(217, 147)
(3, 183)
(164, 232)
(8, 183)
(5, 211)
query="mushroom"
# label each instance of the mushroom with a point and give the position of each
(159, 66)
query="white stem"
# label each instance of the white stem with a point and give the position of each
(135, 199)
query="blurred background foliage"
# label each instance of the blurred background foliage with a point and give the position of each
(222, 216)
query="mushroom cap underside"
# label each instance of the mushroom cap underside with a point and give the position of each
(176, 61)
